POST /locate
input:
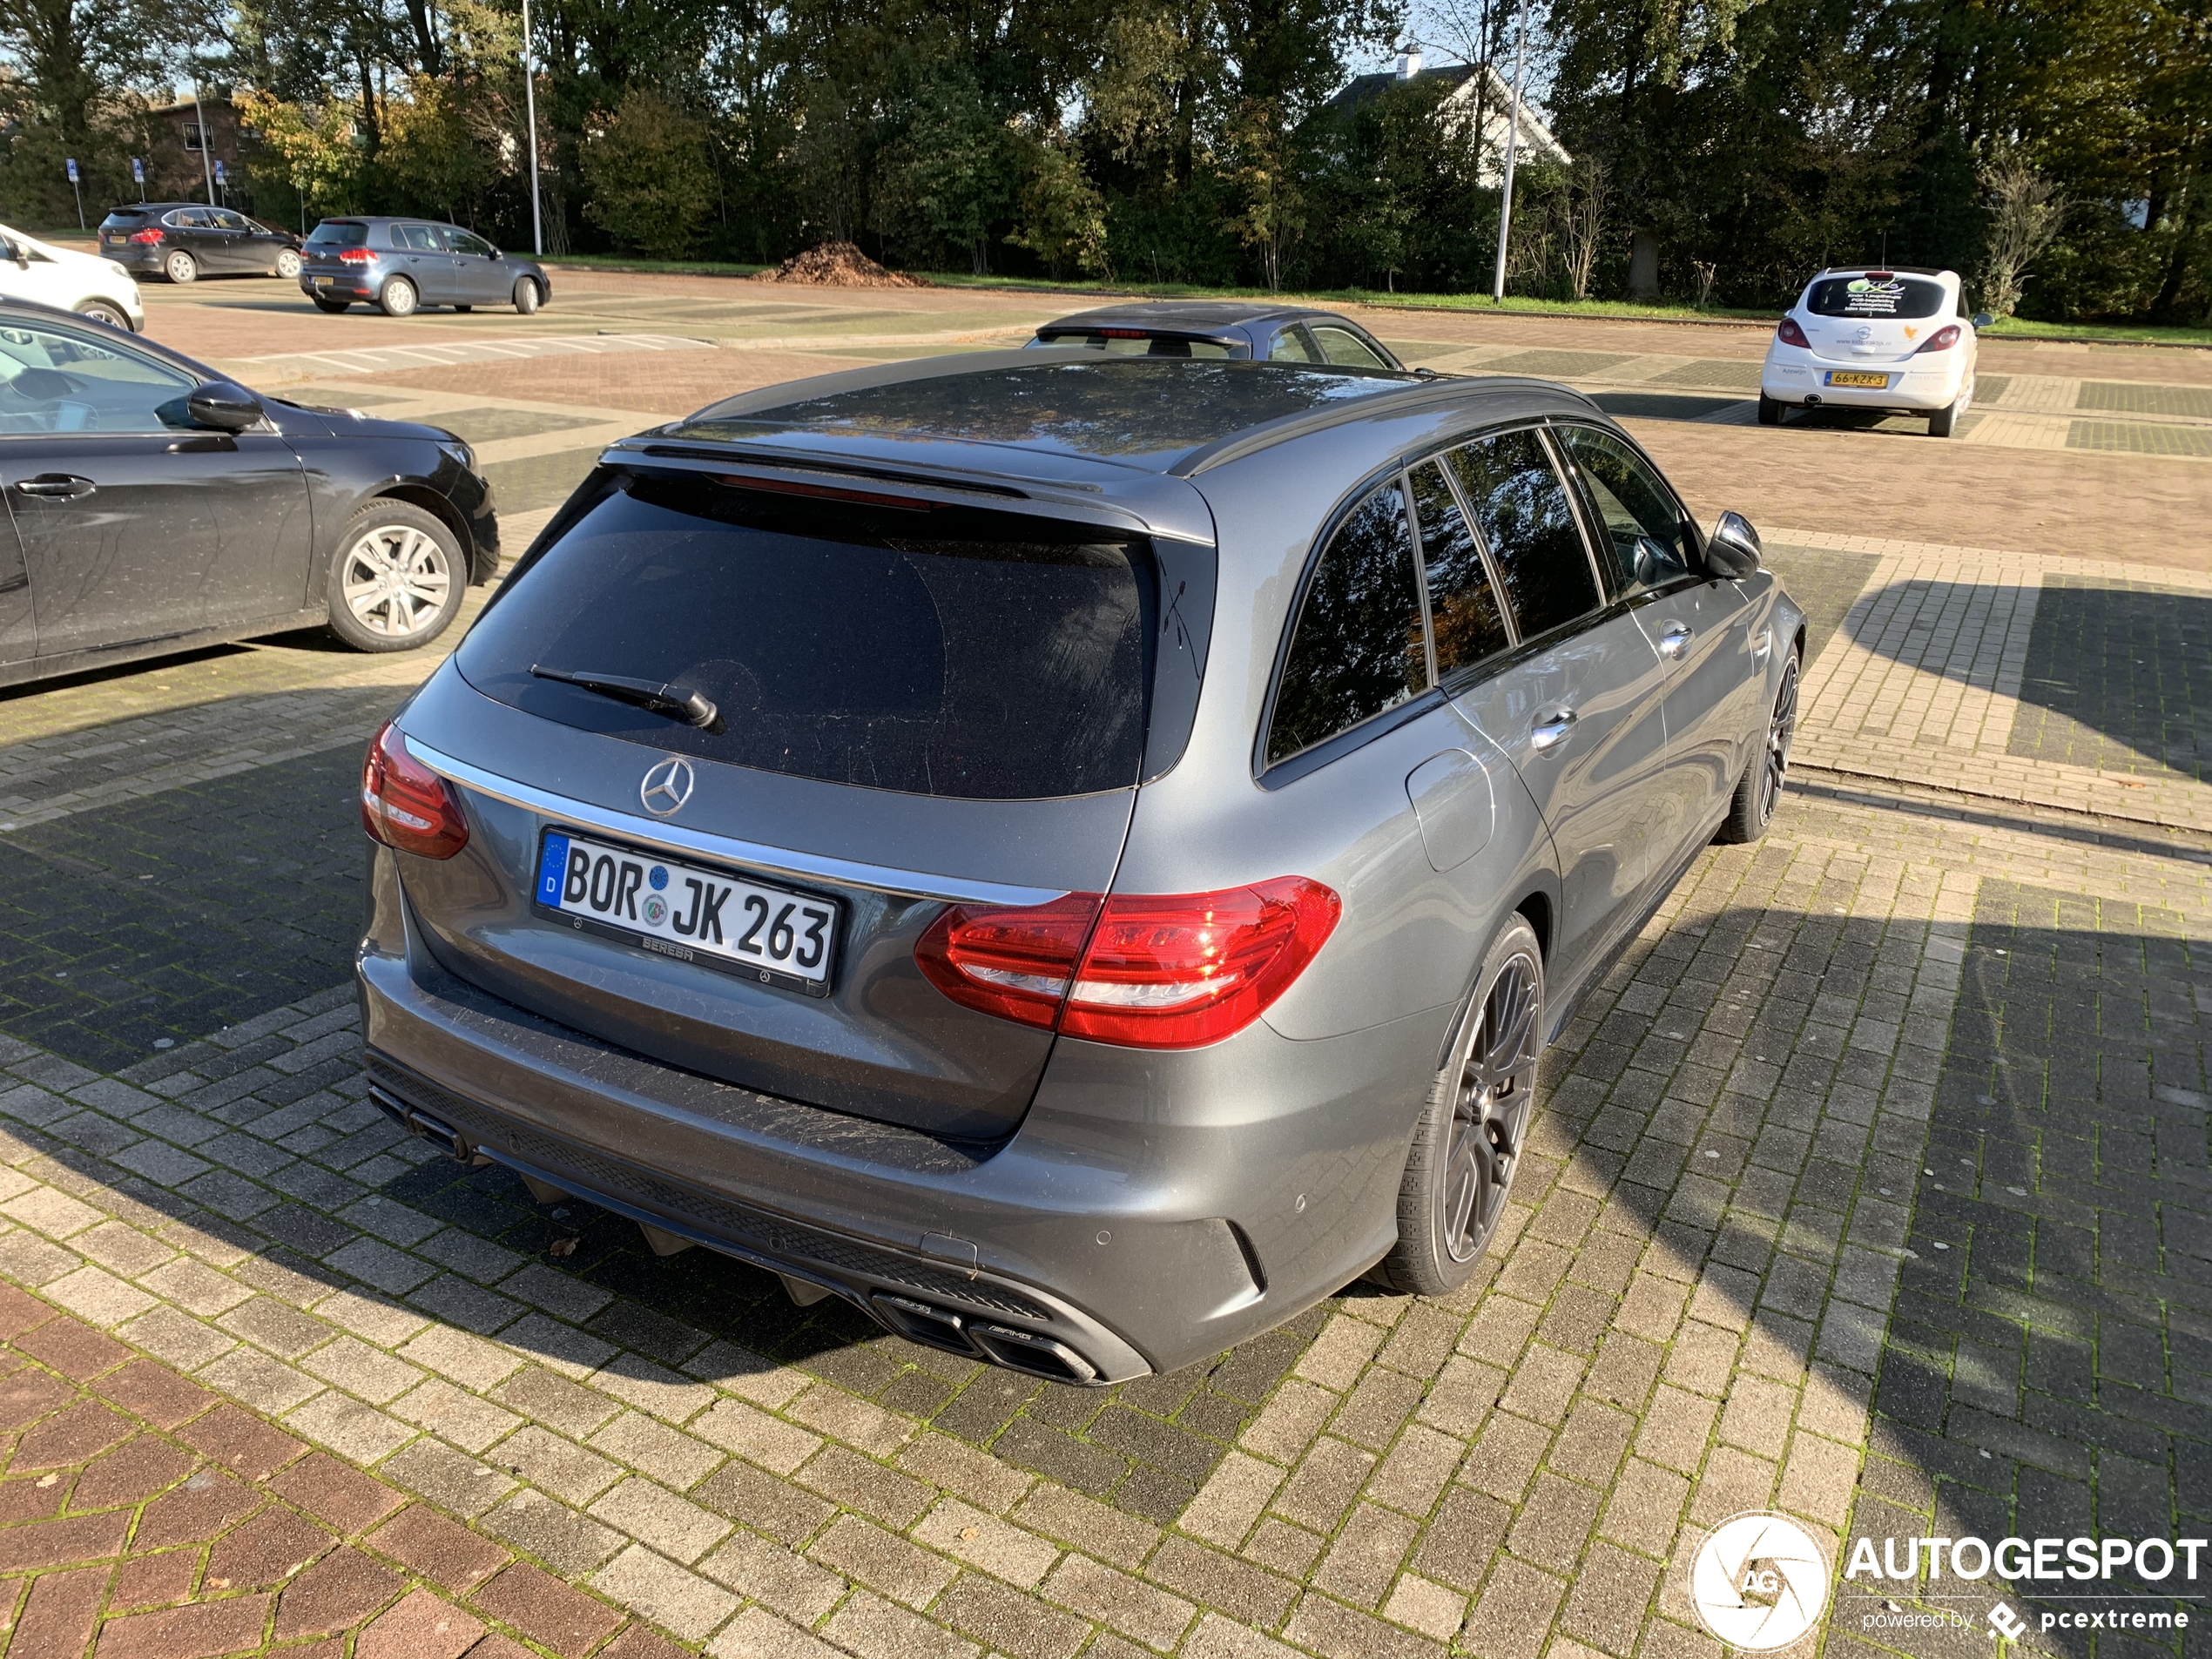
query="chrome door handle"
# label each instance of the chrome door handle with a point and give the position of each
(1675, 640)
(1551, 729)
(55, 486)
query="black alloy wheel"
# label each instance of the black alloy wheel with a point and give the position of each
(1758, 792)
(1490, 1113)
(1468, 1143)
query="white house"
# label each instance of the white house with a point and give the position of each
(1536, 142)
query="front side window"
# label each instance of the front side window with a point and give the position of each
(226, 220)
(1521, 508)
(1646, 544)
(1344, 349)
(1359, 646)
(1462, 607)
(933, 650)
(51, 382)
(464, 242)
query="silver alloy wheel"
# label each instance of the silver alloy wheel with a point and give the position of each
(287, 263)
(395, 580)
(1490, 1111)
(399, 298)
(1775, 764)
(180, 267)
(100, 311)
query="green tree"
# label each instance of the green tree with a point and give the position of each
(646, 168)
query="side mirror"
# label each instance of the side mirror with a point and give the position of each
(1983, 320)
(223, 406)
(20, 254)
(1733, 549)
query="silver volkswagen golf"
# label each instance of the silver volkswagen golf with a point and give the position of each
(1079, 857)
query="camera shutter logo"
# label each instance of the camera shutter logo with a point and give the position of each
(667, 787)
(1759, 1581)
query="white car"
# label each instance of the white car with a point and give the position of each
(1895, 340)
(85, 283)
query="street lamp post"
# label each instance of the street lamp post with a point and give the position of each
(529, 114)
(1513, 143)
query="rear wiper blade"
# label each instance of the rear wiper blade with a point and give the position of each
(679, 702)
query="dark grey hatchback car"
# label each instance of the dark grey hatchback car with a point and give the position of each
(1079, 856)
(401, 264)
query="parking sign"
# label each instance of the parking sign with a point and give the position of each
(72, 169)
(138, 172)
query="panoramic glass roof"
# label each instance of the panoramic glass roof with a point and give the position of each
(1146, 412)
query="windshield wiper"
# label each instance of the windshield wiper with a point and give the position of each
(678, 702)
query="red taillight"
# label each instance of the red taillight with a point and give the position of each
(147, 237)
(406, 804)
(1944, 338)
(1158, 971)
(1790, 334)
(357, 256)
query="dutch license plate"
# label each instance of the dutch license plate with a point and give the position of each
(324, 282)
(689, 911)
(1846, 377)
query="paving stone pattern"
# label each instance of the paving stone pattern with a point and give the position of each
(173, 914)
(2119, 677)
(2048, 1370)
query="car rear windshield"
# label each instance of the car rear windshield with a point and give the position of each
(931, 650)
(1874, 296)
(123, 219)
(340, 233)
(1134, 342)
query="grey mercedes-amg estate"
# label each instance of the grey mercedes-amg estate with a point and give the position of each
(1076, 855)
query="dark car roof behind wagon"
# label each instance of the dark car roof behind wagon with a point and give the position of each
(1158, 414)
(1183, 316)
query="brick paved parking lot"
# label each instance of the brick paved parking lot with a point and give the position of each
(1871, 1188)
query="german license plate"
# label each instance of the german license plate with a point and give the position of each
(689, 911)
(1848, 377)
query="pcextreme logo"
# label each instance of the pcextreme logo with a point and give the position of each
(1759, 1581)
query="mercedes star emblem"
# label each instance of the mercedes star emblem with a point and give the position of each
(667, 787)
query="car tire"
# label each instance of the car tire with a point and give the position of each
(464, 309)
(287, 264)
(180, 267)
(1941, 424)
(1770, 410)
(398, 577)
(527, 298)
(1758, 791)
(398, 297)
(333, 306)
(1468, 1145)
(105, 311)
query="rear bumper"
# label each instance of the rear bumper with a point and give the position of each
(1105, 1239)
(1914, 385)
(332, 285)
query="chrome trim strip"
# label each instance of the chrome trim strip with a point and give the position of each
(777, 860)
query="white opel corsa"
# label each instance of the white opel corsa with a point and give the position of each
(1896, 340)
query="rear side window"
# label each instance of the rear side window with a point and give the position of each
(1344, 349)
(192, 219)
(1293, 347)
(1520, 506)
(420, 238)
(1646, 544)
(1462, 607)
(1358, 649)
(340, 233)
(1868, 296)
(950, 652)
